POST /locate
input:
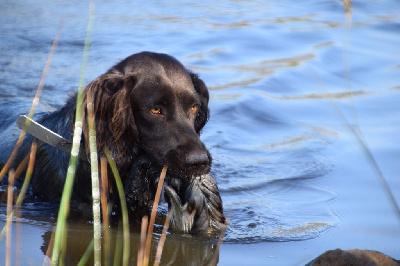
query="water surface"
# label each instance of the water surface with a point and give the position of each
(304, 125)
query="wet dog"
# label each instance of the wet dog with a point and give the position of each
(149, 112)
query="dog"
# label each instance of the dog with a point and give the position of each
(149, 112)
(354, 257)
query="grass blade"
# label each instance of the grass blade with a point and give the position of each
(118, 244)
(124, 209)
(86, 255)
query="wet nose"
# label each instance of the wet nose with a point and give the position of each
(197, 158)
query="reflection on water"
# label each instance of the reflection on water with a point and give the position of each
(260, 70)
(177, 251)
(281, 76)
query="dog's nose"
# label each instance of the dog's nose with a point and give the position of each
(197, 158)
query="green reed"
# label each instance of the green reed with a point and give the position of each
(69, 182)
(59, 242)
(59, 239)
(86, 255)
(124, 208)
(95, 180)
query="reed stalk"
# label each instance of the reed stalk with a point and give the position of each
(162, 239)
(153, 216)
(105, 210)
(18, 236)
(145, 221)
(34, 104)
(21, 136)
(69, 182)
(28, 176)
(19, 170)
(9, 214)
(118, 244)
(76, 141)
(86, 255)
(124, 208)
(22, 166)
(95, 180)
(47, 259)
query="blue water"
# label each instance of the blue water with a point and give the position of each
(305, 113)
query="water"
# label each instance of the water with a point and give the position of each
(304, 121)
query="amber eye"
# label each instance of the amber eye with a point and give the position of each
(194, 108)
(155, 110)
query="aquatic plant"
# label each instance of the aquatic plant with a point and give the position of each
(60, 239)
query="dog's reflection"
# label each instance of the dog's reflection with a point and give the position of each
(178, 249)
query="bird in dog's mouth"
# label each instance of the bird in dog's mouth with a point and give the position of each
(194, 201)
(198, 208)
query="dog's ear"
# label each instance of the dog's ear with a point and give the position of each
(204, 112)
(111, 83)
(115, 124)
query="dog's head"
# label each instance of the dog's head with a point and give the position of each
(149, 105)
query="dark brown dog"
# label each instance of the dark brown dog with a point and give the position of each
(149, 112)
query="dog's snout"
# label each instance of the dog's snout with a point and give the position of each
(197, 158)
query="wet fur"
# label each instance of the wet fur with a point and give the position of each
(138, 141)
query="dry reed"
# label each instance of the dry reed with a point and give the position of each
(153, 217)
(20, 198)
(47, 258)
(124, 208)
(105, 209)
(34, 104)
(143, 231)
(11, 176)
(160, 246)
(28, 175)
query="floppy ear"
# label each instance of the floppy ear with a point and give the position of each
(204, 112)
(115, 124)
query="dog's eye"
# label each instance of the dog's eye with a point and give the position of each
(155, 110)
(194, 108)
